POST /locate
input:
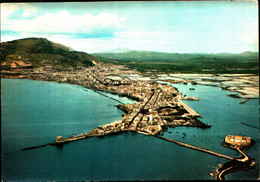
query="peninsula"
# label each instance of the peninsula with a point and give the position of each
(158, 105)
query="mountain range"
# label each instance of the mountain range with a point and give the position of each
(146, 61)
(134, 55)
(35, 52)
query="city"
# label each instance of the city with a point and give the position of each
(158, 106)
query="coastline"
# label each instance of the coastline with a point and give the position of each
(245, 86)
(243, 92)
(100, 84)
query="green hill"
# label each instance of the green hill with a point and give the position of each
(37, 52)
(145, 61)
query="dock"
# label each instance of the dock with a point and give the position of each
(188, 108)
(243, 101)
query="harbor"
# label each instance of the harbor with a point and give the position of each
(233, 165)
(158, 107)
(89, 145)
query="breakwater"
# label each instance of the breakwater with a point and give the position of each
(34, 147)
(242, 163)
(243, 101)
(195, 148)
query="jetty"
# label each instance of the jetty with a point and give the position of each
(195, 148)
(243, 101)
(188, 108)
(238, 164)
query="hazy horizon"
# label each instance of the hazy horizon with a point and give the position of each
(129, 50)
(111, 51)
(172, 27)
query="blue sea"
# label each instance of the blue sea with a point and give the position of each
(35, 112)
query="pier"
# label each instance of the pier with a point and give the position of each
(188, 108)
(243, 101)
(195, 148)
(61, 140)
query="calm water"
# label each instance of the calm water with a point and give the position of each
(35, 112)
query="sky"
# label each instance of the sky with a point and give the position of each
(164, 26)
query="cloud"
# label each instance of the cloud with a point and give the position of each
(7, 10)
(29, 11)
(21, 18)
(13, 10)
(104, 31)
